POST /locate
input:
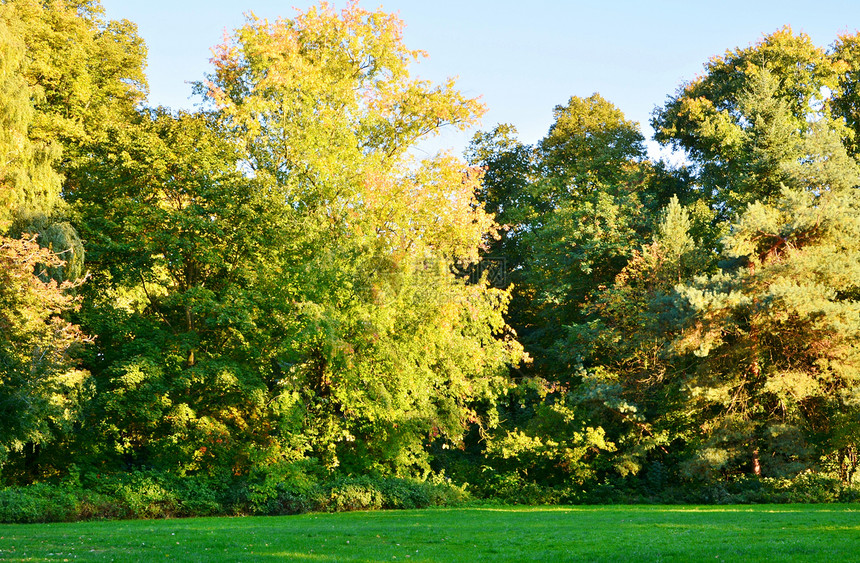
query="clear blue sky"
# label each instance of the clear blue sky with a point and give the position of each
(522, 57)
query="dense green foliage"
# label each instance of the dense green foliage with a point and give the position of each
(159, 495)
(688, 325)
(254, 304)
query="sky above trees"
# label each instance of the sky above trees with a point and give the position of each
(522, 58)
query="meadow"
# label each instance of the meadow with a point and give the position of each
(592, 533)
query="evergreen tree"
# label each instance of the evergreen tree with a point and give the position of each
(777, 337)
(763, 349)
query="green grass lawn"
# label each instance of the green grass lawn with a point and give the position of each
(615, 533)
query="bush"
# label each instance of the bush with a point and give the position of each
(296, 489)
(443, 492)
(130, 495)
(349, 494)
(807, 487)
(360, 493)
(37, 503)
(511, 488)
(198, 496)
(400, 493)
(146, 496)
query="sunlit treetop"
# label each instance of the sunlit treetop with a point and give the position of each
(329, 79)
(805, 75)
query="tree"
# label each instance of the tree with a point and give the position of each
(40, 387)
(273, 280)
(590, 143)
(506, 191)
(846, 98)
(745, 120)
(177, 237)
(387, 346)
(777, 337)
(84, 72)
(593, 174)
(29, 185)
(765, 345)
(81, 74)
(628, 377)
(574, 215)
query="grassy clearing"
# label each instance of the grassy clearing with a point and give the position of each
(613, 533)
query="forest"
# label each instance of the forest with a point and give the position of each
(272, 304)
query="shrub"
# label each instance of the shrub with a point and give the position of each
(285, 490)
(37, 503)
(510, 487)
(443, 492)
(198, 496)
(359, 493)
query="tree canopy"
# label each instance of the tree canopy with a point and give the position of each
(273, 290)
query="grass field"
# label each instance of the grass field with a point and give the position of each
(614, 533)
